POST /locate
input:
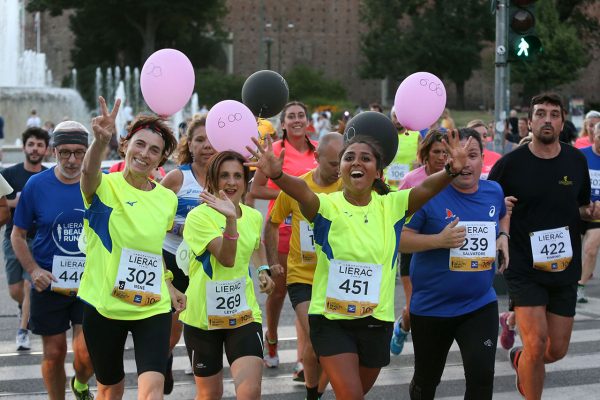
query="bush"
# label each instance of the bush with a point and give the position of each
(213, 85)
(305, 83)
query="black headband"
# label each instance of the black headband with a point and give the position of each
(69, 137)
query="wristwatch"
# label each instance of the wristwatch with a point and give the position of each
(449, 171)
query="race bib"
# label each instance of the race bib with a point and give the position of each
(595, 181)
(139, 277)
(307, 243)
(478, 251)
(551, 249)
(226, 306)
(352, 288)
(68, 271)
(396, 172)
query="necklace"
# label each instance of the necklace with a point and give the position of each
(365, 214)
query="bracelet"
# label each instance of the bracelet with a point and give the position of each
(502, 233)
(169, 275)
(231, 237)
(449, 171)
(278, 176)
(264, 268)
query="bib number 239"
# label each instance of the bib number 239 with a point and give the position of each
(352, 288)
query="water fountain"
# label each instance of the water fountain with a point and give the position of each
(24, 82)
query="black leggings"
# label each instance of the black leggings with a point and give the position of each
(476, 334)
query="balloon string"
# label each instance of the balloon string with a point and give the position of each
(260, 113)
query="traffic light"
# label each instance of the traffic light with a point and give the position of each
(523, 44)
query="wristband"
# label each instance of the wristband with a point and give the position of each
(231, 237)
(449, 171)
(169, 275)
(278, 176)
(264, 268)
(502, 233)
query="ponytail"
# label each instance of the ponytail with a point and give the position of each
(381, 187)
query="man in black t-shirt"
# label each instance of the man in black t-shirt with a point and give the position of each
(552, 185)
(35, 144)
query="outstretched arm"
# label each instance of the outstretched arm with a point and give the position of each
(270, 165)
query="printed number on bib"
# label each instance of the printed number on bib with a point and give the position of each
(396, 172)
(226, 306)
(352, 288)
(307, 243)
(478, 251)
(551, 249)
(68, 271)
(139, 277)
(595, 181)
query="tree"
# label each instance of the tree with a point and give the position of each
(441, 37)
(563, 54)
(118, 32)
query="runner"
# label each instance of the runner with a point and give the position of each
(432, 154)
(35, 143)
(591, 229)
(587, 130)
(187, 182)
(125, 286)
(224, 235)
(406, 156)
(551, 183)
(453, 238)
(51, 202)
(302, 259)
(300, 158)
(357, 230)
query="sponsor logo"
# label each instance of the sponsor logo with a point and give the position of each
(488, 343)
(565, 181)
(449, 214)
(474, 264)
(137, 298)
(351, 308)
(554, 266)
(492, 211)
(131, 203)
(232, 322)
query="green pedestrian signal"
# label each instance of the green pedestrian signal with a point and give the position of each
(523, 44)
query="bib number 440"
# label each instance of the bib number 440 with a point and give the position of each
(74, 276)
(355, 286)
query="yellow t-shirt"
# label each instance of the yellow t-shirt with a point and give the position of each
(406, 156)
(356, 256)
(124, 229)
(302, 260)
(219, 297)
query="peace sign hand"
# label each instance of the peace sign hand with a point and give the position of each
(457, 154)
(104, 124)
(266, 161)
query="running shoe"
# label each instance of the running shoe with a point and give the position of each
(271, 357)
(507, 337)
(84, 395)
(398, 339)
(188, 370)
(169, 382)
(514, 354)
(298, 375)
(23, 342)
(581, 294)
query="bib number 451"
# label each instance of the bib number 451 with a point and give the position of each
(355, 286)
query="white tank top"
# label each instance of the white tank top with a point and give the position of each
(188, 197)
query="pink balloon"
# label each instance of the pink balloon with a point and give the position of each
(167, 81)
(420, 101)
(230, 125)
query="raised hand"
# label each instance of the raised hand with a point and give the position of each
(222, 204)
(457, 154)
(104, 124)
(452, 236)
(266, 161)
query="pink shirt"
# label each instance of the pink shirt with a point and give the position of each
(489, 159)
(582, 142)
(413, 178)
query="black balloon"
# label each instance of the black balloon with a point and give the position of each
(265, 93)
(379, 128)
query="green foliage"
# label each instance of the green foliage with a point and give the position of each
(305, 82)
(563, 54)
(213, 85)
(441, 37)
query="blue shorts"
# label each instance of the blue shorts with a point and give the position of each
(15, 272)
